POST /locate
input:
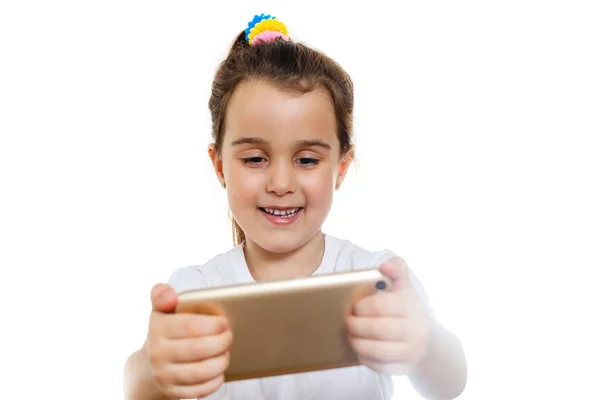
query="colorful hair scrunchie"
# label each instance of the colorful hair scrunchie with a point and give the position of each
(265, 28)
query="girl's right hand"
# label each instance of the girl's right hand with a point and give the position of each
(187, 353)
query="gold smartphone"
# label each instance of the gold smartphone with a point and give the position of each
(288, 326)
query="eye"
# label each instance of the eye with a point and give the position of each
(308, 161)
(253, 160)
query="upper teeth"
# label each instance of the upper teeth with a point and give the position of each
(281, 212)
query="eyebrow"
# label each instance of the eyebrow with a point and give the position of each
(313, 142)
(299, 143)
(248, 140)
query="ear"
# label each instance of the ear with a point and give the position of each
(217, 163)
(342, 169)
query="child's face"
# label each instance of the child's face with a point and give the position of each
(280, 152)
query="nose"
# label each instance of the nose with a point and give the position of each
(282, 178)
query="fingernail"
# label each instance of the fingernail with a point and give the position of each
(224, 324)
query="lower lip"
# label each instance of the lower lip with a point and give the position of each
(279, 220)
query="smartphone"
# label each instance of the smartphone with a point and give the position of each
(287, 326)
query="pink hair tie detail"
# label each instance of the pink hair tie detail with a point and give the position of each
(268, 36)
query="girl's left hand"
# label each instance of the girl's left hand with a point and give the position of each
(390, 330)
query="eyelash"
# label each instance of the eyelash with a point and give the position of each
(311, 161)
(253, 160)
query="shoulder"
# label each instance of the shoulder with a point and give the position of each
(347, 255)
(217, 271)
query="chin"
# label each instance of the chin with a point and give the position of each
(280, 243)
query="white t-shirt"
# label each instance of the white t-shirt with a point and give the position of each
(350, 383)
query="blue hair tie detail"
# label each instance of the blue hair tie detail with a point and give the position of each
(256, 20)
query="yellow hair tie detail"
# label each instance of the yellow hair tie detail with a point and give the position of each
(267, 25)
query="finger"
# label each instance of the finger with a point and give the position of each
(163, 297)
(198, 372)
(182, 326)
(381, 304)
(378, 350)
(397, 270)
(382, 328)
(197, 391)
(197, 349)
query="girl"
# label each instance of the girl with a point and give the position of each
(282, 130)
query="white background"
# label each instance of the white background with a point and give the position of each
(477, 128)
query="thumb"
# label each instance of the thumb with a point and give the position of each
(164, 298)
(397, 270)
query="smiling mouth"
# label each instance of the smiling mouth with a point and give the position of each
(282, 213)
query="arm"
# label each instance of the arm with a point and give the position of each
(442, 374)
(137, 380)
(395, 333)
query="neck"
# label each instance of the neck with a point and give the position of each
(269, 266)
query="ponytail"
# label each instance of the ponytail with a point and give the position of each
(238, 234)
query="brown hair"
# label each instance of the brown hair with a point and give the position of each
(291, 66)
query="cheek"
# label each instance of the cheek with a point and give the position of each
(242, 182)
(318, 187)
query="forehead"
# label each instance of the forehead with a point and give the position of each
(260, 109)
